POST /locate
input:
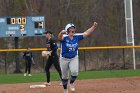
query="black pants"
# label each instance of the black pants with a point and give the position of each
(28, 64)
(55, 61)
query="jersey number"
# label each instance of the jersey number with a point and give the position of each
(71, 49)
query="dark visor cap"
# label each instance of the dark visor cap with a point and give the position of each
(47, 32)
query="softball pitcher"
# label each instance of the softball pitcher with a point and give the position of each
(69, 53)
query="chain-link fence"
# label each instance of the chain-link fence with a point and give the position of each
(89, 59)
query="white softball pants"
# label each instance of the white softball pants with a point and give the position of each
(69, 64)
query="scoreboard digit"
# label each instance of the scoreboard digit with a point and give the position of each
(38, 24)
(23, 20)
(22, 26)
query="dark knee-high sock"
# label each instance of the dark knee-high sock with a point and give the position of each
(73, 78)
(65, 82)
(48, 76)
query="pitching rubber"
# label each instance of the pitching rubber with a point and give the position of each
(37, 86)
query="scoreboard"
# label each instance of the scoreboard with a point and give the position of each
(22, 26)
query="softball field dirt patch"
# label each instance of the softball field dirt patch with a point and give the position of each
(109, 85)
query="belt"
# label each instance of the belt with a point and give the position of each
(70, 58)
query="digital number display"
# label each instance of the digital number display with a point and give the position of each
(22, 26)
(39, 24)
(21, 20)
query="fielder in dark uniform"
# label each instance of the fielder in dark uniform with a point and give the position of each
(53, 58)
(28, 61)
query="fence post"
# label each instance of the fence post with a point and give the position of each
(123, 59)
(5, 63)
(17, 70)
(85, 61)
(108, 56)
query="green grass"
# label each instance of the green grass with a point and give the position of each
(108, 74)
(40, 77)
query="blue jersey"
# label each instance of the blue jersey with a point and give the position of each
(69, 48)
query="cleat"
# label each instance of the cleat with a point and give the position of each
(29, 75)
(65, 90)
(61, 84)
(47, 84)
(72, 88)
(25, 74)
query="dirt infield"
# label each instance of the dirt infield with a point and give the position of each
(111, 85)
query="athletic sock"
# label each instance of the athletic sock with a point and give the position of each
(73, 78)
(65, 82)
